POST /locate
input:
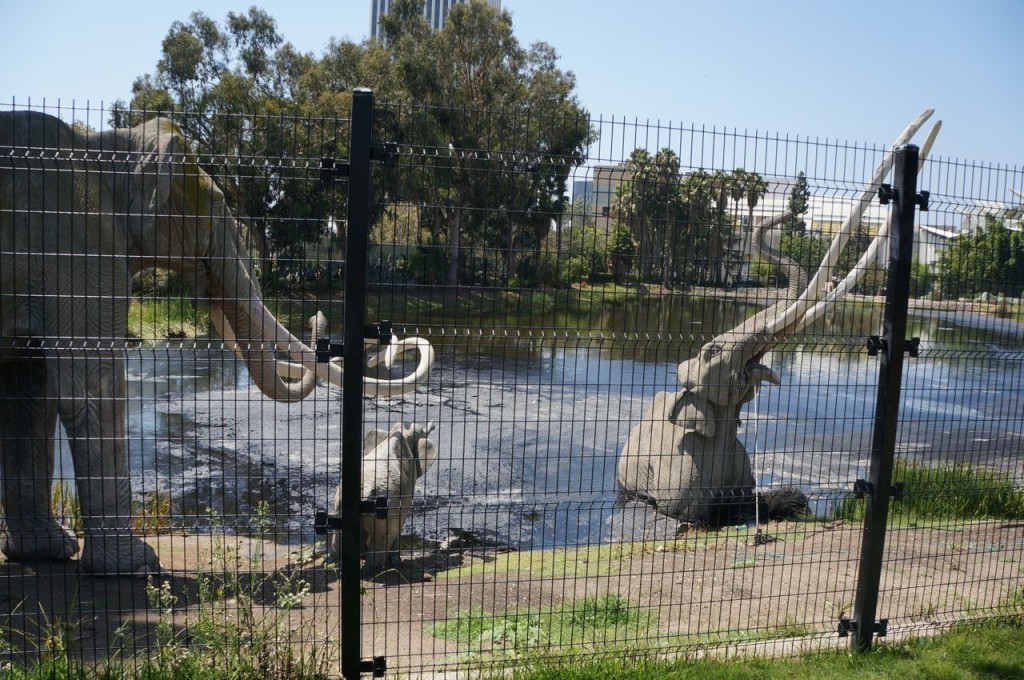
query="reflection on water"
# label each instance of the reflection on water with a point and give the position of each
(533, 412)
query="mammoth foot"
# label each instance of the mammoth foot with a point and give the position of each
(118, 553)
(36, 541)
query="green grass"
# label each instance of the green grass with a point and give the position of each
(946, 493)
(592, 560)
(476, 303)
(157, 318)
(591, 623)
(994, 650)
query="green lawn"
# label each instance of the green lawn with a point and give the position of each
(994, 650)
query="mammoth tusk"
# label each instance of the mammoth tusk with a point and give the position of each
(398, 347)
(332, 371)
(797, 312)
(926, 148)
(870, 254)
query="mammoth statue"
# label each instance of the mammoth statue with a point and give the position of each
(79, 214)
(392, 462)
(684, 456)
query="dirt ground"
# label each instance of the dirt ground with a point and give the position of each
(696, 589)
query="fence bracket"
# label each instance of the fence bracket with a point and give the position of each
(922, 200)
(328, 348)
(862, 487)
(377, 506)
(846, 626)
(324, 521)
(886, 194)
(333, 171)
(878, 344)
(378, 666)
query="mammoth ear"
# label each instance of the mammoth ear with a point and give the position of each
(372, 439)
(166, 149)
(428, 452)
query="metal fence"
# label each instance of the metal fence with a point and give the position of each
(589, 467)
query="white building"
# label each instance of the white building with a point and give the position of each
(435, 12)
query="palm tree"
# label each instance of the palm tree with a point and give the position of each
(756, 186)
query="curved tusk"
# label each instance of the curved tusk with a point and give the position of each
(926, 148)
(303, 358)
(397, 348)
(333, 370)
(870, 254)
(798, 311)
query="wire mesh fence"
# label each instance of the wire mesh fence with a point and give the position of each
(621, 446)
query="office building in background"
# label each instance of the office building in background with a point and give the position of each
(435, 12)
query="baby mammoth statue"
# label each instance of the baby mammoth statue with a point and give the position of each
(392, 462)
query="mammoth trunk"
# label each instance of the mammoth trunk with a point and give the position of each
(255, 333)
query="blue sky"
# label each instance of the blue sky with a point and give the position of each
(847, 71)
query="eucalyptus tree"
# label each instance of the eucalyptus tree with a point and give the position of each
(238, 90)
(504, 121)
(490, 125)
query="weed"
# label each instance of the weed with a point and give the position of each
(67, 508)
(153, 515)
(580, 623)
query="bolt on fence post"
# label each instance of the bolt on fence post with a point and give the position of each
(883, 445)
(358, 199)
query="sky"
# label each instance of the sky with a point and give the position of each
(815, 69)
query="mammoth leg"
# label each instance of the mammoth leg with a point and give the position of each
(92, 408)
(27, 423)
(376, 534)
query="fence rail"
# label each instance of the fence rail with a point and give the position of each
(583, 472)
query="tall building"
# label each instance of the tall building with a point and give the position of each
(435, 12)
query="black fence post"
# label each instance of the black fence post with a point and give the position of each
(878, 488)
(352, 383)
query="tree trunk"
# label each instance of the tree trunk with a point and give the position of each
(455, 235)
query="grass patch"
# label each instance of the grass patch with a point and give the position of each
(594, 560)
(944, 493)
(587, 622)
(158, 318)
(235, 626)
(475, 303)
(992, 650)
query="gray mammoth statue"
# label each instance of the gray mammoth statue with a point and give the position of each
(684, 456)
(79, 214)
(392, 462)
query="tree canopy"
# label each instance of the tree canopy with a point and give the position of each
(989, 260)
(496, 125)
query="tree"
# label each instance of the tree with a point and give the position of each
(754, 187)
(650, 202)
(799, 196)
(622, 249)
(710, 234)
(501, 122)
(991, 260)
(505, 120)
(581, 213)
(235, 90)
